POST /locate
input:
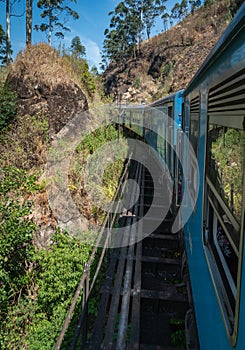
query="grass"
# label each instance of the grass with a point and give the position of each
(103, 186)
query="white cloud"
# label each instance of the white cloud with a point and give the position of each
(92, 51)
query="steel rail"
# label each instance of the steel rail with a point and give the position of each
(123, 323)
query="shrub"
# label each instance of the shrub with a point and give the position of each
(137, 83)
(8, 105)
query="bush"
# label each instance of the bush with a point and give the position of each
(80, 70)
(8, 105)
(137, 83)
(16, 251)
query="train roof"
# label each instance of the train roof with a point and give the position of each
(166, 99)
(235, 27)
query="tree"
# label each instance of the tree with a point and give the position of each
(2, 45)
(151, 9)
(54, 12)
(28, 21)
(9, 12)
(8, 44)
(180, 11)
(165, 16)
(121, 39)
(234, 7)
(129, 20)
(194, 4)
(77, 49)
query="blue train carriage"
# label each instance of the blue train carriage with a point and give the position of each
(214, 234)
(168, 138)
(132, 119)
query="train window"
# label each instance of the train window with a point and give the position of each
(225, 165)
(225, 257)
(194, 122)
(170, 111)
(169, 139)
(224, 197)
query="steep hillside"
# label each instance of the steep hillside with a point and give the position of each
(40, 264)
(168, 61)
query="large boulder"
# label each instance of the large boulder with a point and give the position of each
(44, 84)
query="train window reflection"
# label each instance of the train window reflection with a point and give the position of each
(194, 122)
(225, 165)
(224, 179)
(226, 260)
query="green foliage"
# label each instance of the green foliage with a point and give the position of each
(16, 249)
(177, 321)
(234, 7)
(58, 272)
(111, 177)
(77, 49)
(105, 188)
(209, 3)
(24, 144)
(167, 68)
(88, 81)
(53, 11)
(17, 180)
(37, 321)
(2, 45)
(228, 152)
(97, 139)
(178, 338)
(80, 68)
(200, 25)
(8, 106)
(184, 8)
(178, 332)
(37, 286)
(180, 11)
(136, 83)
(128, 22)
(60, 269)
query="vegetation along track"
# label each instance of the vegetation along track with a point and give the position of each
(145, 299)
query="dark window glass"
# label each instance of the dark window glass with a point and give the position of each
(194, 123)
(225, 162)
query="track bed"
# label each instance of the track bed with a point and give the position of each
(145, 296)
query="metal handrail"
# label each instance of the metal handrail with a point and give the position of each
(84, 282)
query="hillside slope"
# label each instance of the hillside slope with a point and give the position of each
(168, 61)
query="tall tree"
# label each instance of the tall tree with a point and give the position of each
(129, 20)
(53, 13)
(179, 11)
(165, 17)
(8, 44)
(121, 39)
(9, 12)
(28, 21)
(151, 9)
(2, 45)
(77, 48)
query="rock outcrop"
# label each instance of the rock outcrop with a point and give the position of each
(43, 85)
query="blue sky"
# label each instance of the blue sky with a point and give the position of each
(89, 27)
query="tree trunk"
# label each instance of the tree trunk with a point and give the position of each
(50, 29)
(8, 45)
(28, 21)
(141, 22)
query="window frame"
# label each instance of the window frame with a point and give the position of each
(216, 274)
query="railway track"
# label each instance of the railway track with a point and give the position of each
(145, 296)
